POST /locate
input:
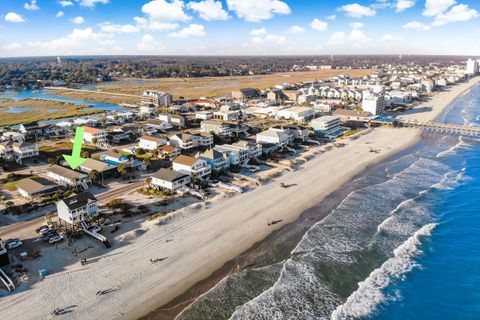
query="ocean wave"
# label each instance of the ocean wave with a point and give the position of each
(451, 180)
(453, 150)
(370, 294)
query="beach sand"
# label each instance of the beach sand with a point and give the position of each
(202, 239)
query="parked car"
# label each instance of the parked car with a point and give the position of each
(49, 235)
(43, 229)
(12, 244)
(55, 239)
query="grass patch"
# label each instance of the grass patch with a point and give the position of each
(44, 110)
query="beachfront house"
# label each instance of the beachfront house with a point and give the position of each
(279, 137)
(192, 166)
(151, 143)
(296, 113)
(215, 159)
(328, 126)
(95, 136)
(168, 179)
(77, 208)
(36, 187)
(67, 177)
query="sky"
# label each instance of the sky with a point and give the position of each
(238, 27)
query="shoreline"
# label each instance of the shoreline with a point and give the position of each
(180, 303)
(204, 239)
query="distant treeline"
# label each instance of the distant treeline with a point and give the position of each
(41, 71)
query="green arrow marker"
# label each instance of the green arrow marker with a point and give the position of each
(75, 160)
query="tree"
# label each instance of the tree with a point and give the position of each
(9, 204)
(148, 181)
(139, 151)
(94, 140)
(94, 175)
(122, 169)
(147, 162)
(55, 160)
(85, 154)
(194, 179)
(49, 216)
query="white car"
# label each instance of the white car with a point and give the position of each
(13, 244)
(55, 239)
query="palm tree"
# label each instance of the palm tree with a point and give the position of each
(148, 181)
(55, 160)
(122, 169)
(194, 179)
(49, 216)
(93, 175)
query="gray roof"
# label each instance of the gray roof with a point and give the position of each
(100, 166)
(67, 173)
(79, 200)
(36, 185)
(168, 175)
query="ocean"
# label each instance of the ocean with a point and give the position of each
(403, 243)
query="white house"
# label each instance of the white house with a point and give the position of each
(12, 136)
(215, 159)
(157, 98)
(168, 179)
(327, 125)
(151, 143)
(373, 103)
(18, 151)
(279, 137)
(95, 136)
(190, 165)
(67, 177)
(296, 113)
(204, 115)
(77, 208)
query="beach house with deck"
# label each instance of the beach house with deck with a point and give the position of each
(77, 208)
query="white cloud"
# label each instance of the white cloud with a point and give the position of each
(458, 13)
(332, 17)
(356, 10)
(403, 5)
(275, 39)
(337, 38)
(358, 37)
(435, 7)
(296, 30)
(12, 46)
(258, 32)
(415, 25)
(148, 44)
(66, 3)
(91, 3)
(60, 14)
(76, 39)
(319, 25)
(78, 20)
(209, 10)
(355, 37)
(193, 30)
(356, 25)
(144, 23)
(162, 15)
(387, 37)
(14, 17)
(32, 5)
(258, 10)
(109, 27)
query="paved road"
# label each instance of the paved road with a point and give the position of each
(26, 229)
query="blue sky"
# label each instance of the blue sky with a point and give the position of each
(229, 27)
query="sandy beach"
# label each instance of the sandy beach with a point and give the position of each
(201, 239)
